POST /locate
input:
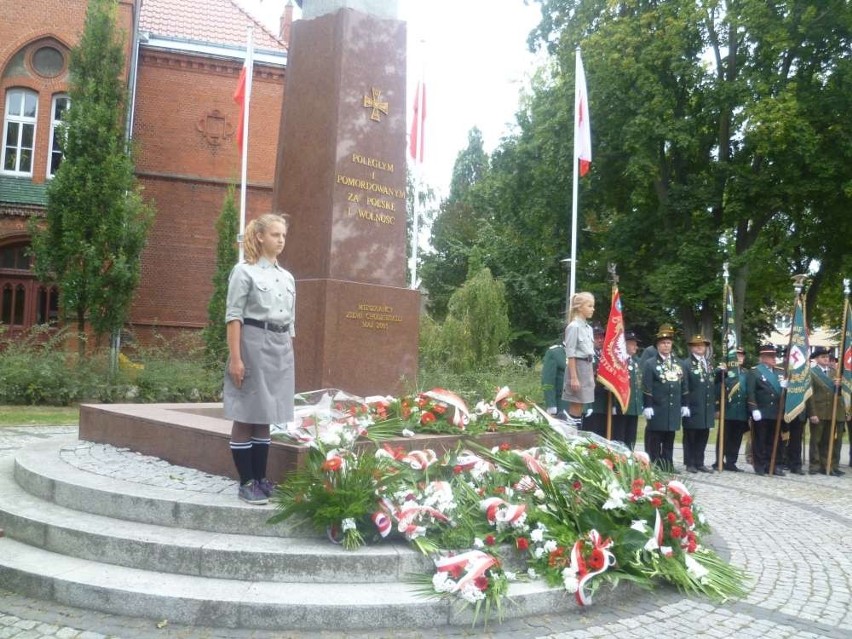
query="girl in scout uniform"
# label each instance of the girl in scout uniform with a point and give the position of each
(579, 386)
(259, 379)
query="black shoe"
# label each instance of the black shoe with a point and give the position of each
(837, 473)
(814, 472)
(733, 468)
(778, 472)
(798, 471)
(704, 469)
(691, 469)
(759, 471)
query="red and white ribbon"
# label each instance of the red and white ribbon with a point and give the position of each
(584, 575)
(461, 415)
(420, 459)
(473, 563)
(499, 510)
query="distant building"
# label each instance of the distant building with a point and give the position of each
(183, 61)
(817, 336)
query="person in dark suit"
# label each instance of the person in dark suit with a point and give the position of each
(624, 423)
(595, 420)
(765, 382)
(701, 401)
(736, 414)
(820, 406)
(664, 391)
(553, 379)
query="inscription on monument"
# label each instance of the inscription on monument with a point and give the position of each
(368, 198)
(377, 317)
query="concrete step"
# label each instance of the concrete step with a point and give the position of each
(40, 470)
(46, 525)
(227, 603)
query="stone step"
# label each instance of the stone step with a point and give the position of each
(40, 470)
(205, 601)
(46, 525)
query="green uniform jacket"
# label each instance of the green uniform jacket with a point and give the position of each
(634, 404)
(553, 377)
(764, 390)
(736, 387)
(821, 403)
(664, 389)
(702, 395)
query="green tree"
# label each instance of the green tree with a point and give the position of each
(227, 253)
(96, 225)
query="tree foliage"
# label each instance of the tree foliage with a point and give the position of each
(719, 133)
(96, 223)
(227, 253)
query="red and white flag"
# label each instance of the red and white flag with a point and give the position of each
(418, 122)
(240, 98)
(612, 368)
(582, 128)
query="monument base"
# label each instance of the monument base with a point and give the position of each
(361, 337)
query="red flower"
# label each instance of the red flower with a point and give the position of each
(422, 401)
(406, 411)
(671, 517)
(677, 532)
(456, 572)
(691, 547)
(577, 485)
(332, 464)
(593, 446)
(596, 559)
(522, 543)
(489, 540)
(481, 582)
(686, 500)
(458, 470)
(656, 502)
(427, 418)
(638, 483)
(439, 408)
(608, 463)
(504, 446)
(658, 485)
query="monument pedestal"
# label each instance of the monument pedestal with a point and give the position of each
(341, 176)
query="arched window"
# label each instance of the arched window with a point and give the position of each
(24, 301)
(57, 135)
(19, 129)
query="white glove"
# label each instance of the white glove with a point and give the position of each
(551, 410)
(684, 411)
(648, 413)
(588, 412)
(783, 382)
(756, 416)
(614, 410)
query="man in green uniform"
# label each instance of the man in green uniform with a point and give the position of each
(553, 379)
(765, 382)
(664, 393)
(701, 400)
(624, 423)
(820, 407)
(736, 414)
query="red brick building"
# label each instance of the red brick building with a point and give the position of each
(183, 61)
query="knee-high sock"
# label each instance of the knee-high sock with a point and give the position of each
(259, 455)
(242, 454)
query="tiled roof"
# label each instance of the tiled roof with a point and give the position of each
(21, 190)
(205, 21)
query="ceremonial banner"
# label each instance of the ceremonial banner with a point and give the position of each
(846, 357)
(612, 368)
(798, 365)
(418, 124)
(582, 127)
(728, 325)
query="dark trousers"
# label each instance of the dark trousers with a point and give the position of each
(624, 429)
(792, 433)
(694, 444)
(761, 444)
(734, 431)
(595, 423)
(660, 448)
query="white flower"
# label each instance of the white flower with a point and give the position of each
(407, 433)
(471, 593)
(616, 498)
(348, 524)
(569, 580)
(510, 576)
(381, 453)
(695, 569)
(550, 545)
(478, 543)
(667, 551)
(651, 544)
(531, 573)
(639, 524)
(538, 553)
(441, 582)
(539, 494)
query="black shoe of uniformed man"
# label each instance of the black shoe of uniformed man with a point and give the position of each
(704, 469)
(759, 471)
(778, 472)
(798, 471)
(837, 473)
(733, 468)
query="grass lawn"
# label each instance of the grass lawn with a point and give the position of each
(38, 415)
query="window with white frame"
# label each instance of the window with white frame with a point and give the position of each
(57, 134)
(19, 131)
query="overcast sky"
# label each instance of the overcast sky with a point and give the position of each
(475, 60)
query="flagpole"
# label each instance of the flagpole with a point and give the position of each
(798, 285)
(838, 377)
(572, 287)
(244, 167)
(723, 390)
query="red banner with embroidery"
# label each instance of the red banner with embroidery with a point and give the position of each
(612, 368)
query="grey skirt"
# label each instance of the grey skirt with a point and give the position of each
(586, 393)
(266, 396)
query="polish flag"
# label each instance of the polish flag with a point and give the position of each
(418, 122)
(240, 98)
(582, 129)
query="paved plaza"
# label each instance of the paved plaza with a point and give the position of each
(793, 536)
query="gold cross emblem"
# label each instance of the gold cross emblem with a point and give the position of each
(374, 102)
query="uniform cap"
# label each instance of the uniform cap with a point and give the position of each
(698, 339)
(768, 348)
(666, 332)
(820, 350)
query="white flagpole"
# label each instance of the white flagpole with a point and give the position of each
(575, 178)
(246, 109)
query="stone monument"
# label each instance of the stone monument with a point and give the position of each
(341, 176)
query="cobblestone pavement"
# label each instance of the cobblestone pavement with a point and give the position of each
(791, 534)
